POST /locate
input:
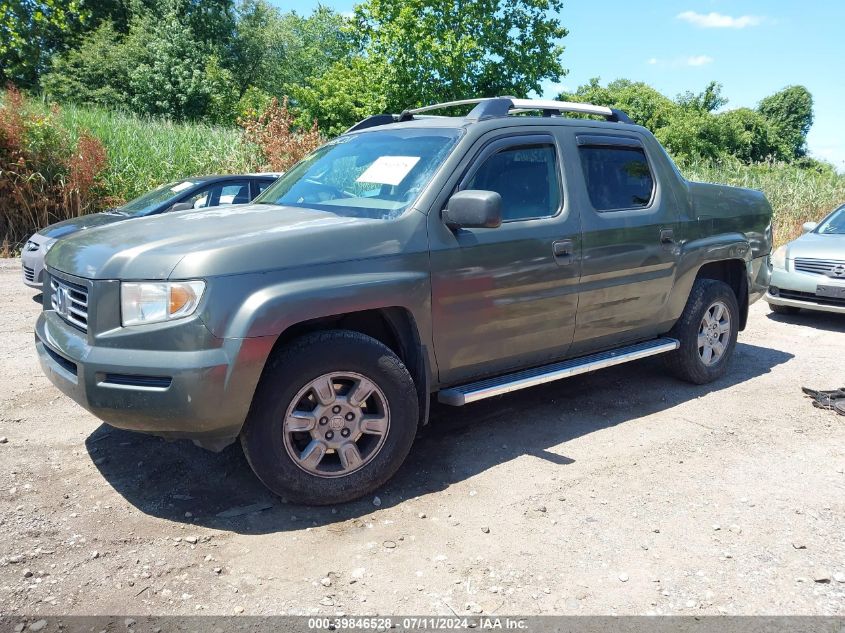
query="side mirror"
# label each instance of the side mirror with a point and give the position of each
(809, 226)
(473, 209)
(181, 206)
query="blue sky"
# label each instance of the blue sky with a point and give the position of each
(753, 47)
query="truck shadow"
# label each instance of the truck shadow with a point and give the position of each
(181, 482)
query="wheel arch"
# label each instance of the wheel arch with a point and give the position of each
(732, 272)
(394, 326)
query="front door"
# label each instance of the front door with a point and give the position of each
(507, 297)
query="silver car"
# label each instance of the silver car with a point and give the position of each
(809, 272)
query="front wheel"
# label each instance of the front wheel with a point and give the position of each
(334, 417)
(707, 331)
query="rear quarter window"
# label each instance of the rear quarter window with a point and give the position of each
(617, 178)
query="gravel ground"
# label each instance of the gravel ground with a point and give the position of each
(619, 492)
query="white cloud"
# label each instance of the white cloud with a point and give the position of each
(678, 62)
(699, 60)
(719, 21)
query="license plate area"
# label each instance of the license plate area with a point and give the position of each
(831, 292)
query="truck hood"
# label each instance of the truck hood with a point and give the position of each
(220, 241)
(73, 225)
(818, 246)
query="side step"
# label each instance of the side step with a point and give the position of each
(464, 394)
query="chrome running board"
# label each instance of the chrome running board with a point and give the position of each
(464, 394)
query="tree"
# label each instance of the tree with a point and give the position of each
(97, 71)
(33, 30)
(790, 112)
(271, 50)
(708, 101)
(168, 78)
(348, 92)
(749, 136)
(642, 103)
(438, 50)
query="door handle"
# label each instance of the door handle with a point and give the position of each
(563, 250)
(667, 236)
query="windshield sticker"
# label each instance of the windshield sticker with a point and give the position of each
(182, 186)
(388, 170)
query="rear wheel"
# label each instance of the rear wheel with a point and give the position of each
(333, 418)
(785, 310)
(707, 331)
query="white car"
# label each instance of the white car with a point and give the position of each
(809, 272)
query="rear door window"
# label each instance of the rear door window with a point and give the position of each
(617, 177)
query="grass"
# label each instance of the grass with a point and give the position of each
(145, 152)
(797, 195)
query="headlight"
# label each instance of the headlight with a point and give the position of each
(31, 246)
(778, 258)
(154, 302)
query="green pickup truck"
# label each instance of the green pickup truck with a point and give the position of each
(412, 257)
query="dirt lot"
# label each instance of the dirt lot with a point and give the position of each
(620, 492)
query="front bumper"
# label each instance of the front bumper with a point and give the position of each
(203, 394)
(798, 290)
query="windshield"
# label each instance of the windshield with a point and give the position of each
(373, 174)
(152, 200)
(835, 224)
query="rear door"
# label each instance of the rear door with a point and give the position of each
(629, 225)
(507, 297)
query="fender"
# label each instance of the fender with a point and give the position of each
(697, 253)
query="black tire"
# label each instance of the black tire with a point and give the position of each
(785, 310)
(686, 362)
(289, 371)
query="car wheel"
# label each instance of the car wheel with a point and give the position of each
(785, 310)
(707, 331)
(333, 418)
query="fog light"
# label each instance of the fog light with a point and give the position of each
(774, 291)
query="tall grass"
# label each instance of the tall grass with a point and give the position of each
(797, 194)
(145, 152)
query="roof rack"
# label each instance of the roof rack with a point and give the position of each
(495, 107)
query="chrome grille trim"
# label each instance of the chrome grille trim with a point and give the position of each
(70, 302)
(818, 266)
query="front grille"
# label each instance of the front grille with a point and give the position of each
(70, 302)
(820, 266)
(811, 296)
(28, 273)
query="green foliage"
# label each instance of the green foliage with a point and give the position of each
(440, 50)
(195, 60)
(168, 76)
(791, 113)
(144, 152)
(692, 127)
(271, 50)
(33, 30)
(348, 92)
(709, 100)
(95, 72)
